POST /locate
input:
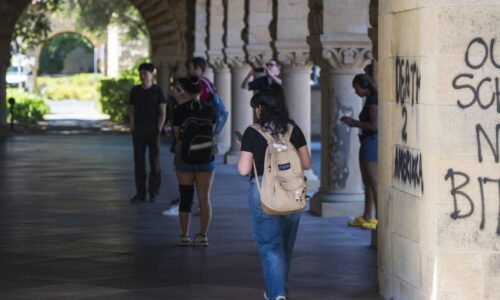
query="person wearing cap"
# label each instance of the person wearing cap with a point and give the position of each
(147, 115)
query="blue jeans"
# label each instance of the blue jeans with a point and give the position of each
(275, 237)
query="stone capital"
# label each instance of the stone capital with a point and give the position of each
(258, 55)
(347, 57)
(235, 58)
(293, 58)
(217, 61)
(293, 53)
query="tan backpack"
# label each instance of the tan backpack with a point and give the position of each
(284, 185)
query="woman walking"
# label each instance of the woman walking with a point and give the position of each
(275, 235)
(193, 124)
(368, 153)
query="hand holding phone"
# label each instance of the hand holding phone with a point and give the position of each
(238, 136)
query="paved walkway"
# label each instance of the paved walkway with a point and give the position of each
(67, 231)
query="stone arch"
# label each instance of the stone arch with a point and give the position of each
(166, 20)
(59, 28)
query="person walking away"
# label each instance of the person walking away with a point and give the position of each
(147, 114)
(368, 153)
(194, 158)
(275, 234)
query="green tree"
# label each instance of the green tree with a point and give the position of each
(94, 15)
(34, 24)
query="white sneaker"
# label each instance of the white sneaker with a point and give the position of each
(277, 298)
(173, 210)
(185, 241)
(200, 240)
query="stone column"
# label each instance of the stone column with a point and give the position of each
(222, 80)
(163, 75)
(341, 192)
(291, 31)
(241, 112)
(296, 84)
(439, 159)
(216, 59)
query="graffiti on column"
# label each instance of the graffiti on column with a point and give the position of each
(341, 139)
(486, 138)
(407, 161)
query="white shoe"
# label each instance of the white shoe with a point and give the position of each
(277, 298)
(173, 210)
(185, 241)
(200, 240)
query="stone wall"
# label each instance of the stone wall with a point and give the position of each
(439, 187)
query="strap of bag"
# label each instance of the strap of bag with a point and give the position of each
(288, 134)
(267, 136)
(256, 176)
(209, 84)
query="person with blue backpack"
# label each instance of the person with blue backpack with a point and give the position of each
(193, 122)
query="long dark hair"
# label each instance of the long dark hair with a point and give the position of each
(191, 84)
(274, 116)
(366, 82)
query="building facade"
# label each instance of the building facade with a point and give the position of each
(436, 65)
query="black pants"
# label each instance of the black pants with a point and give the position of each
(151, 141)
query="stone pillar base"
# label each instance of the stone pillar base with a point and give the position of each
(325, 204)
(313, 182)
(232, 157)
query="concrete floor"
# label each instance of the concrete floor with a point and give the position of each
(67, 231)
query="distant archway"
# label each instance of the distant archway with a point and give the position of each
(167, 22)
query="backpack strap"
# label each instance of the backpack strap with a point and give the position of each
(288, 134)
(211, 88)
(267, 136)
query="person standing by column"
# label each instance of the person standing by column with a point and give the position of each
(275, 234)
(368, 152)
(147, 115)
(262, 78)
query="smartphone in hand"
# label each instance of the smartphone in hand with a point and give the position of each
(238, 136)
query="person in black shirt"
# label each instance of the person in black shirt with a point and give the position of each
(368, 152)
(147, 115)
(262, 77)
(275, 235)
(188, 91)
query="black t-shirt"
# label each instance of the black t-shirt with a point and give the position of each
(260, 83)
(192, 108)
(254, 142)
(364, 116)
(146, 103)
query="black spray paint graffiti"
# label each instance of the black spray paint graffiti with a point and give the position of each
(407, 163)
(467, 77)
(408, 80)
(465, 81)
(408, 167)
(494, 148)
(456, 191)
(340, 141)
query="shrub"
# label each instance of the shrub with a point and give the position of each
(79, 87)
(29, 108)
(114, 98)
